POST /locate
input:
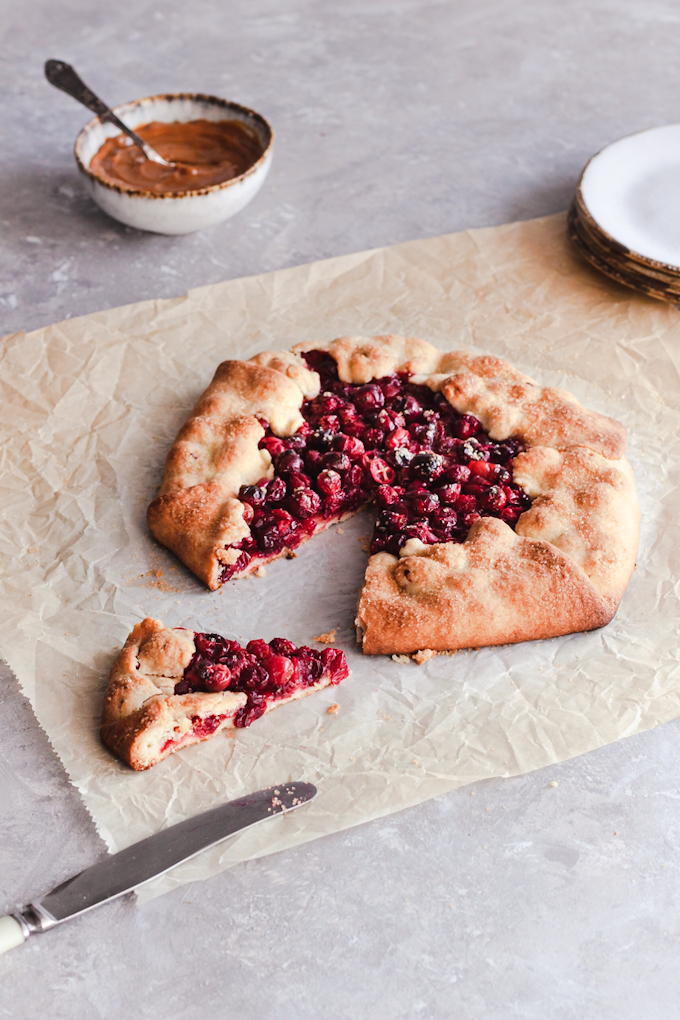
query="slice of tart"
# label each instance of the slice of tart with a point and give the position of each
(170, 688)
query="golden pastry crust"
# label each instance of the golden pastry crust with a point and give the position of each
(586, 506)
(143, 721)
(564, 569)
(216, 451)
(362, 358)
(495, 588)
(507, 402)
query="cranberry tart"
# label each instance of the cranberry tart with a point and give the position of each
(505, 511)
(172, 688)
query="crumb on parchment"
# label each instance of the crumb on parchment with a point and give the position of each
(333, 709)
(261, 571)
(421, 657)
(328, 638)
(157, 581)
(365, 543)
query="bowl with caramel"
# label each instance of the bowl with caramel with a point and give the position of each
(221, 153)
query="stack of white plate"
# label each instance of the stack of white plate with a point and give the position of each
(625, 217)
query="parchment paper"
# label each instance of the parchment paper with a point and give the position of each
(88, 410)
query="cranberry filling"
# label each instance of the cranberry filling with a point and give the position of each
(205, 727)
(200, 728)
(263, 671)
(431, 471)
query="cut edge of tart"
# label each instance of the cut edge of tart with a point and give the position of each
(506, 510)
(170, 688)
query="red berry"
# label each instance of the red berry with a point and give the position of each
(327, 403)
(321, 439)
(484, 469)
(354, 476)
(411, 406)
(391, 386)
(423, 434)
(472, 489)
(334, 664)
(464, 504)
(313, 459)
(369, 397)
(387, 495)
(333, 504)
(457, 473)
(276, 490)
(465, 427)
(296, 480)
(348, 414)
(329, 482)
(510, 515)
(330, 423)
(273, 445)
(350, 445)
(391, 521)
(380, 470)
(336, 461)
(206, 726)
(282, 671)
(289, 461)
(303, 503)
(448, 493)
(253, 494)
(427, 465)
(474, 450)
(424, 505)
(444, 517)
(494, 498)
(282, 646)
(373, 438)
(216, 678)
(420, 529)
(400, 437)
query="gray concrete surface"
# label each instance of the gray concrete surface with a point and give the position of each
(395, 119)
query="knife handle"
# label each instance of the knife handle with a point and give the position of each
(11, 934)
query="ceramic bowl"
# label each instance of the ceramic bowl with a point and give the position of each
(187, 211)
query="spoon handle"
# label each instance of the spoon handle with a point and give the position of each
(64, 77)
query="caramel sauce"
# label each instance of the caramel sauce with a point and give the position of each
(205, 152)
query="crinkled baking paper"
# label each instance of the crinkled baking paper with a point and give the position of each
(89, 408)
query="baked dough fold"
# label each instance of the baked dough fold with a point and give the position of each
(143, 720)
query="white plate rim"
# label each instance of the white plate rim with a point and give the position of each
(608, 234)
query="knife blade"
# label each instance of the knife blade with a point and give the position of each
(127, 870)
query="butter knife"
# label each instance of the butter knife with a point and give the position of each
(140, 863)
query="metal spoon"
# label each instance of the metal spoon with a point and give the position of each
(64, 77)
